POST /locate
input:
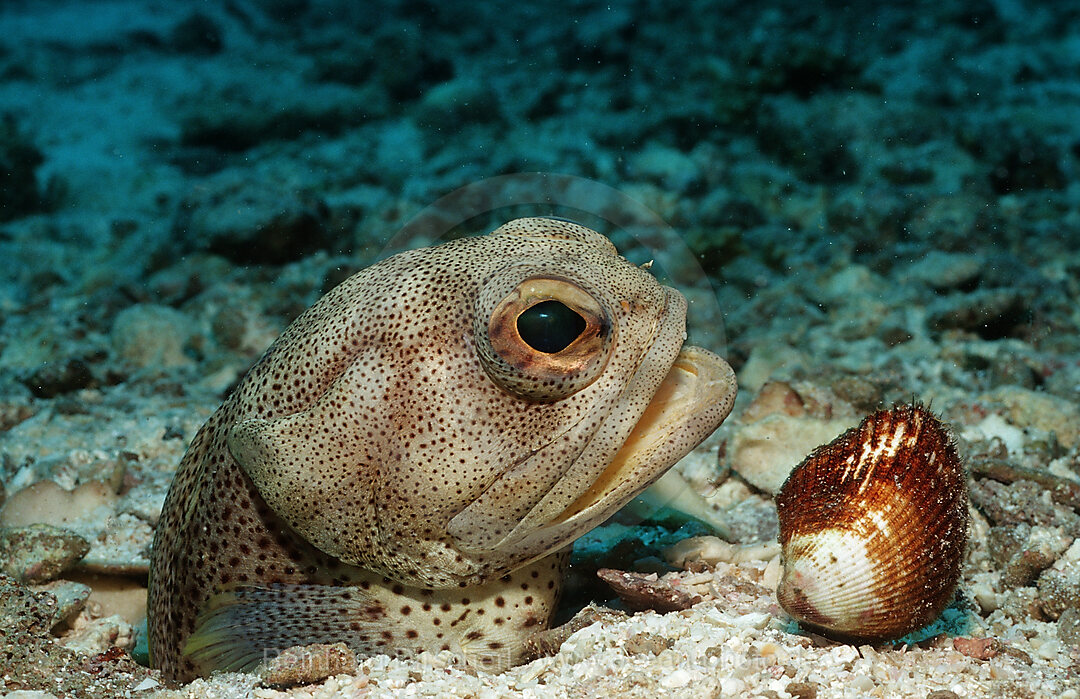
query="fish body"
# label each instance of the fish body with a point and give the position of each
(404, 467)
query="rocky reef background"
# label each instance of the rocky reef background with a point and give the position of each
(863, 204)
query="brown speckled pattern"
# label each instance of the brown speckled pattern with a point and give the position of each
(383, 477)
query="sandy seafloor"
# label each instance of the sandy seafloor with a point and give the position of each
(864, 206)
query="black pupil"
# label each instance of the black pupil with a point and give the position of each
(549, 326)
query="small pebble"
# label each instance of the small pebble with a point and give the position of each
(676, 679)
(100, 635)
(39, 552)
(640, 591)
(307, 665)
(1068, 629)
(802, 690)
(147, 684)
(649, 643)
(1059, 585)
(70, 598)
(978, 648)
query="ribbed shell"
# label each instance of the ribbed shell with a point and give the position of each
(873, 527)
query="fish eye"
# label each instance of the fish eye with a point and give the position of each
(550, 326)
(542, 337)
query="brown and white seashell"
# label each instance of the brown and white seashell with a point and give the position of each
(873, 527)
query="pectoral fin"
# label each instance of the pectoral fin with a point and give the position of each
(244, 624)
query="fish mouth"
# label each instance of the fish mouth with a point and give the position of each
(685, 409)
(694, 397)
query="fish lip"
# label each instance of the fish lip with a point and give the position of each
(707, 394)
(696, 379)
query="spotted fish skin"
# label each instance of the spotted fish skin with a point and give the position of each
(402, 470)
